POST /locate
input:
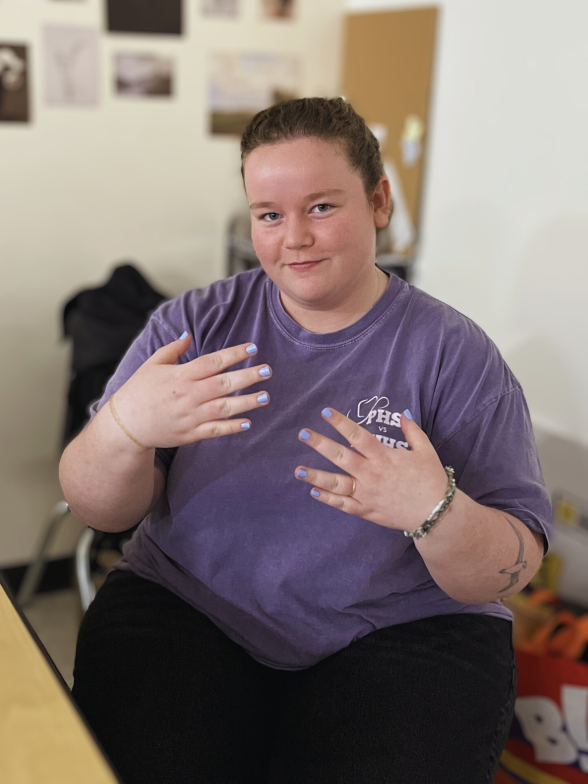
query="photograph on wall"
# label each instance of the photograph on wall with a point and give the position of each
(71, 65)
(161, 17)
(219, 7)
(14, 83)
(240, 85)
(143, 74)
(278, 9)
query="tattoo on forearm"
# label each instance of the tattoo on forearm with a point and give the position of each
(514, 572)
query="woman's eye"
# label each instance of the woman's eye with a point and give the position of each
(270, 216)
(322, 207)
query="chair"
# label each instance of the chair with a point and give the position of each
(102, 322)
(241, 254)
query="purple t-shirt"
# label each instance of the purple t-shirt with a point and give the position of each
(239, 538)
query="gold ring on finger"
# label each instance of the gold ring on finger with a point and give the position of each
(353, 488)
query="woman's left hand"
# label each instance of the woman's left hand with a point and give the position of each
(395, 488)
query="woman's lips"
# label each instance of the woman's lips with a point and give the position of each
(304, 265)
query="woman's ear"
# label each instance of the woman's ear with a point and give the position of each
(382, 203)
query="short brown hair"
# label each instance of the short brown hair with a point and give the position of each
(329, 119)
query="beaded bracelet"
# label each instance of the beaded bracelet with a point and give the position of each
(438, 511)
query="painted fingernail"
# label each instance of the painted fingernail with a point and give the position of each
(265, 372)
(315, 493)
(327, 413)
(251, 349)
(301, 473)
(245, 425)
(262, 398)
(304, 435)
(407, 413)
(183, 335)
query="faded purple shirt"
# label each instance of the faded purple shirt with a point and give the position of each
(239, 538)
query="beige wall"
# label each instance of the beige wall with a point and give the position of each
(81, 188)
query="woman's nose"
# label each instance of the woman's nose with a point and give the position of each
(298, 233)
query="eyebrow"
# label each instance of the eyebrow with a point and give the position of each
(311, 197)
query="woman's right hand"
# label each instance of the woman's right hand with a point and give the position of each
(167, 405)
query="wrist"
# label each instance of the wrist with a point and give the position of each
(114, 438)
(438, 511)
(123, 427)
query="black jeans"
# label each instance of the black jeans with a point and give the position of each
(173, 700)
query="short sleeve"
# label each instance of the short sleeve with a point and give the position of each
(155, 335)
(496, 462)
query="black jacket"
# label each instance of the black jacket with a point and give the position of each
(102, 323)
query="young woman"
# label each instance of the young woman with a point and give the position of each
(310, 599)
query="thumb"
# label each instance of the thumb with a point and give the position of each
(169, 355)
(415, 437)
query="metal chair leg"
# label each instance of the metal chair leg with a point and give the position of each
(34, 573)
(86, 585)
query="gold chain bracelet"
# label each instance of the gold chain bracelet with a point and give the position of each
(118, 421)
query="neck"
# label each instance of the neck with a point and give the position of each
(325, 319)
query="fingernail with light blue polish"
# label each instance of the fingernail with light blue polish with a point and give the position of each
(265, 372)
(245, 425)
(183, 335)
(251, 349)
(262, 398)
(304, 435)
(301, 473)
(407, 413)
(326, 413)
(315, 493)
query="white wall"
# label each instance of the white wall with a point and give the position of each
(505, 220)
(81, 188)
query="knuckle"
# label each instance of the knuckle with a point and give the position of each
(337, 482)
(224, 408)
(225, 382)
(354, 435)
(340, 455)
(340, 503)
(216, 360)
